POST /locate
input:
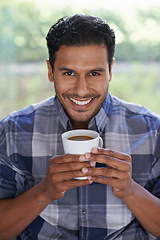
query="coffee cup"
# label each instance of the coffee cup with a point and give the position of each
(80, 142)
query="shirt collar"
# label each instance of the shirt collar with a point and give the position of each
(103, 114)
(64, 120)
(99, 121)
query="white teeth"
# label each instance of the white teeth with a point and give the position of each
(81, 103)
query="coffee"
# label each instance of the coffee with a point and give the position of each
(80, 138)
(75, 142)
(80, 141)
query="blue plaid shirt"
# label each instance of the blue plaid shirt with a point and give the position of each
(30, 137)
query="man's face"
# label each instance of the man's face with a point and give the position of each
(81, 77)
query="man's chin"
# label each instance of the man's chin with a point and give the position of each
(81, 119)
(81, 116)
(81, 111)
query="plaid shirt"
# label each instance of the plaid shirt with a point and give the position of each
(30, 137)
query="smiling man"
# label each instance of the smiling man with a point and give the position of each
(40, 197)
(81, 76)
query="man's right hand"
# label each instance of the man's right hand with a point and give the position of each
(61, 174)
(19, 212)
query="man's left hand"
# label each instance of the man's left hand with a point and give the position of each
(117, 173)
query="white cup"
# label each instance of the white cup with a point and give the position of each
(72, 146)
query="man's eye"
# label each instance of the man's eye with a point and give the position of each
(94, 74)
(68, 73)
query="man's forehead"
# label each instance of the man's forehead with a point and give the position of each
(90, 53)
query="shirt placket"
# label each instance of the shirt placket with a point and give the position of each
(83, 212)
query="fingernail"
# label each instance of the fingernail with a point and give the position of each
(88, 155)
(82, 158)
(92, 163)
(94, 150)
(90, 179)
(84, 170)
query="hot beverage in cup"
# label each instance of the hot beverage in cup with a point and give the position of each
(80, 138)
(80, 141)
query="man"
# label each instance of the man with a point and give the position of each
(40, 199)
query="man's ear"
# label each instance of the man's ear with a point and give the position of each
(111, 69)
(50, 73)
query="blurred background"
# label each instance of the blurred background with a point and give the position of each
(23, 52)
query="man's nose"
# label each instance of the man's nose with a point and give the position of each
(82, 86)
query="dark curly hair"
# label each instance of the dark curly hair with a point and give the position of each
(80, 30)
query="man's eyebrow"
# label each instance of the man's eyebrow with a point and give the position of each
(98, 70)
(92, 70)
(65, 69)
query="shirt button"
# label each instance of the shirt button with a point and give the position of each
(83, 211)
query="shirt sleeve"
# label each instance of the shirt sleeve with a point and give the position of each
(12, 183)
(156, 171)
(153, 185)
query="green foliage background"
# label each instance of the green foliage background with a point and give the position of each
(23, 73)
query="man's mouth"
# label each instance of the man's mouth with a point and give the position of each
(81, 103)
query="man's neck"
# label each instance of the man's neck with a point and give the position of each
(79, 125)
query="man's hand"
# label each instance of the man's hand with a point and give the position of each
(117, 173)
(19, 212)
(61, 173)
